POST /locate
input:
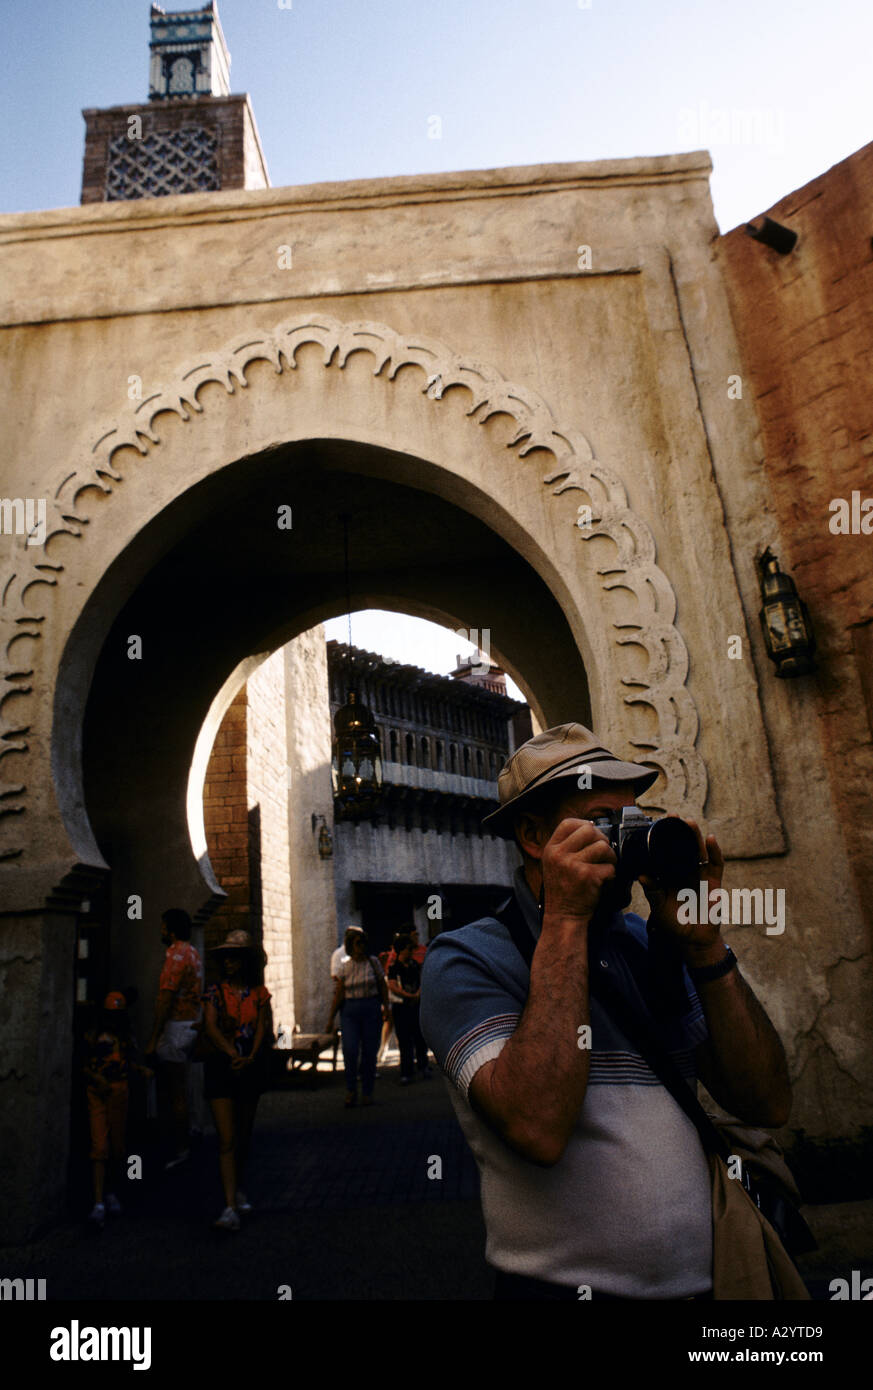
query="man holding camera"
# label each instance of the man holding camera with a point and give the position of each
(594, 1180)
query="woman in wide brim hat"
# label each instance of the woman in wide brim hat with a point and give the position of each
(236, 1016)
(236, 940)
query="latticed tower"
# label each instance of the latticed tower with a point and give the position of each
(192, 136)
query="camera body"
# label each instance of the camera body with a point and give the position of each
(665, 848)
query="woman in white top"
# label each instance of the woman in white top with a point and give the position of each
(362, 996)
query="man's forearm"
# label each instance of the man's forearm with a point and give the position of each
(745, 1050)
(538, 1082)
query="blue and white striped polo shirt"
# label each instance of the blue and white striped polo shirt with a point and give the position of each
(627, 1209)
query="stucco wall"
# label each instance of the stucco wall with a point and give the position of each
(506, 369)
(36, 1010)
(268, 826)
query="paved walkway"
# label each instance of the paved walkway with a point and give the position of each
(345, 1209)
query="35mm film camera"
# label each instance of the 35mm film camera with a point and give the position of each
(664, 849)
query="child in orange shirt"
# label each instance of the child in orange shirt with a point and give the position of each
(107, 1070)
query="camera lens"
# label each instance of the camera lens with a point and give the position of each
(673, 855)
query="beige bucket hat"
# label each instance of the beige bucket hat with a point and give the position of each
(563, 752)
(237, 940)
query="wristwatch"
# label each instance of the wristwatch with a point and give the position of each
(703, 973)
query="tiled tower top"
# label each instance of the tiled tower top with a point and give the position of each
(192, 136)
(189, 56)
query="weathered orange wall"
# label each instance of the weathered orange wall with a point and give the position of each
(225, 817)
(245, 813)
(805, 327)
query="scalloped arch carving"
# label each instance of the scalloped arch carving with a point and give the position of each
(633, 566)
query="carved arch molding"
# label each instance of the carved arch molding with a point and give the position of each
(632, 567)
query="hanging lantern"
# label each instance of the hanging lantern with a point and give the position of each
(785, 621)
(357, 756)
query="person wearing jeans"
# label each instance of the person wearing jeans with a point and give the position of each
(404, 976)
(362, 996)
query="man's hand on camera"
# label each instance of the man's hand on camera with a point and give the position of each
(697, 936)
(576, 863)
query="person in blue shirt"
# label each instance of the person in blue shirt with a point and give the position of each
(592, 1176)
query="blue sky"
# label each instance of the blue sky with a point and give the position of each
(343, 89)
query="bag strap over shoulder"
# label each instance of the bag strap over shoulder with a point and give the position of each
(372, 960)
(510, 914)
(638, 1032)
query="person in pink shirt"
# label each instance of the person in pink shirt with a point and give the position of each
(178, 1013)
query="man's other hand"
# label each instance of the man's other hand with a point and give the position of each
(665, 906)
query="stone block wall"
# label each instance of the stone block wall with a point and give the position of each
(269, 867)
(310, 794)
(805, 327)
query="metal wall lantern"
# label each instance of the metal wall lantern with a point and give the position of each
(785, 621)
(780, 239)
(325, 839)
